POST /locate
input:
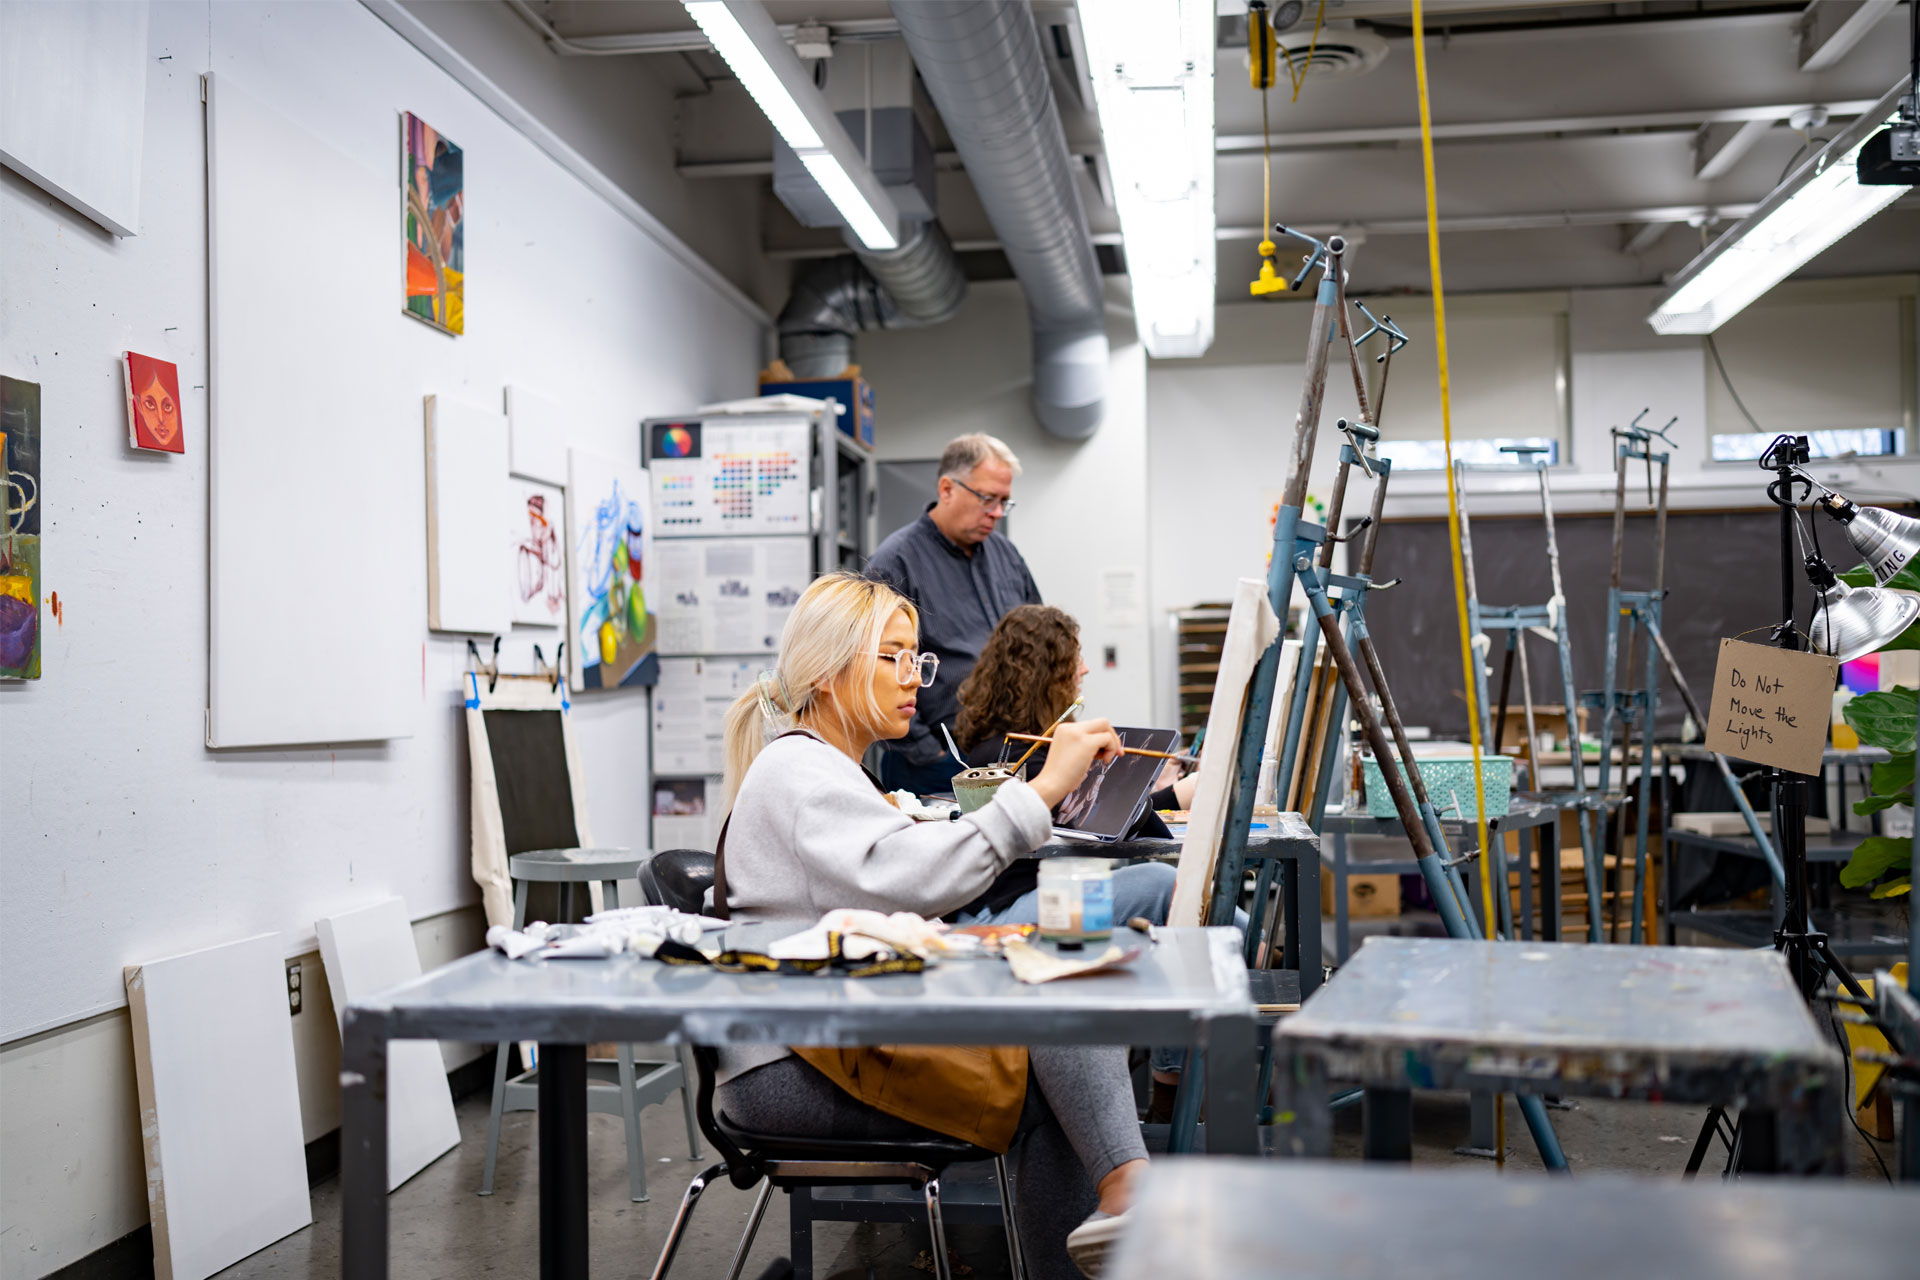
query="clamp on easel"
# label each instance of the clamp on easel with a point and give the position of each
(489, 669)
(551, 673)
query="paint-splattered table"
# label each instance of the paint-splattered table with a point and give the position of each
(1189, 987)
(1663, 1024)
(1217, 1218)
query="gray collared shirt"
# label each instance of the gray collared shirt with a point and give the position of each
(961, 599)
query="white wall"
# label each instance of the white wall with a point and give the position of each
(1082, 506)
(125, 837)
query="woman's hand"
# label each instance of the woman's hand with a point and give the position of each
(1076, 745)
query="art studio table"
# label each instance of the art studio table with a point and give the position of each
(1662, 1024)
(1855, 927)
(1216, 1218)
(1525, 813)
(1189, 988)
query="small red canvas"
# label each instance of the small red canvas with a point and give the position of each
(153, 404)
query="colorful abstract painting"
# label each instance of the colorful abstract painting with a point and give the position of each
(20, 549)
(537, 533)
(436, 222)
(153, 404)
(610, 543)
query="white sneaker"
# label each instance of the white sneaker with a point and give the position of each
(1089, 1243)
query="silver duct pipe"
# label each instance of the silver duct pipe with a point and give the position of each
(834, 298)
(982, 64)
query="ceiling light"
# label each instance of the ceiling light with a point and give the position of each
(747, 39)
(1816, 205)
(1152, 67)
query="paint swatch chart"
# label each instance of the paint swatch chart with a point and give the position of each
(716, 477)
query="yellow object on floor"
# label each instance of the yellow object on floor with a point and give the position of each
(1867, 1074)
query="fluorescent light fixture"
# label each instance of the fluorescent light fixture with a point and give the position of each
(1816, 205)
(746, 38)
(1152, 67)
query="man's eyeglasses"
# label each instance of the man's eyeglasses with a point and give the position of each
(907, 664)
(992, 506)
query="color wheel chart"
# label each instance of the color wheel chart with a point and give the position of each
(710, 478)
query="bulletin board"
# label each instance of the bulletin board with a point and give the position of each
(728, 595)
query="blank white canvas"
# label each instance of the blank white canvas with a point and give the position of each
(537, 552)
(367, 951)
(219, 1105)
(468, 588)
(73, 102)
(312, 441)
(539, 436)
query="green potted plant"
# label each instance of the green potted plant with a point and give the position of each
(1885, 720)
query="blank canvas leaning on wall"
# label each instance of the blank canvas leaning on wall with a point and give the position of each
(219, 1105)
(367, 951)
(539, 434)
(468, 588)
(313, 457)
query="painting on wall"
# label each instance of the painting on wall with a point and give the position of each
(435, 223)
(536, 525)
(20, 550)
(609, 544)
(153, 404)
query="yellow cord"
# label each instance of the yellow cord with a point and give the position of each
(1299, 75)
(1467, 655)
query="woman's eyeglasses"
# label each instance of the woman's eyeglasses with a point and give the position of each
(907, 665)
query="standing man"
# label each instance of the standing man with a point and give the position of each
(964, 580)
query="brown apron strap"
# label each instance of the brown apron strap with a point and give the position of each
(720, 911)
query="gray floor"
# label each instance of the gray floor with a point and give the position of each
(442, 1229)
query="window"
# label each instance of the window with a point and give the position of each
(1431, 455)
(1864, 443)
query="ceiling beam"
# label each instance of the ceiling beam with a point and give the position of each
(1515, 221)
(1828, 29)
(1236, 143)
(1711, 161)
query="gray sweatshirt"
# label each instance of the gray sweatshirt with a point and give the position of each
(810, 832)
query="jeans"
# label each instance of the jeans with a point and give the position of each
(898, 773)
(1144, 889)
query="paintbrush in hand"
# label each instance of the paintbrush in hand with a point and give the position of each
(1037, 739)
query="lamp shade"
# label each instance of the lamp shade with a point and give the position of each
(1851, 622)
(1885, 540)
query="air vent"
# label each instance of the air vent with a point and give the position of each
(1340, 51)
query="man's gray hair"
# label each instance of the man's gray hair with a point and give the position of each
(964, 453)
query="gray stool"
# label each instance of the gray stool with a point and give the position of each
(612, 1087)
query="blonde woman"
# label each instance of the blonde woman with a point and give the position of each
(810, 830)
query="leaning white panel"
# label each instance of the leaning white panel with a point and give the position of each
(469, 577)
(219, 1105)
(367, 951)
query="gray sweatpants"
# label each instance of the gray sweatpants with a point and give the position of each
(1078, 1126)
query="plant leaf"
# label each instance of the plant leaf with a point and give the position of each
(1874, 857)
(1894, 888)
(1895, 774)
(1884, 719)
(1874, 804)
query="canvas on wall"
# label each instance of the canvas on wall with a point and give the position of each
(610, 543)
(153, 404)
(20, 551)
(536, 527)
(435, 226)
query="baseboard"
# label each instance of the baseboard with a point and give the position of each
(131, 1256)
(128, 1258)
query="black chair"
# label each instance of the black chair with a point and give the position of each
(680, 878)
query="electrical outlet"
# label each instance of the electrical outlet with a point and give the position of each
(293, 987)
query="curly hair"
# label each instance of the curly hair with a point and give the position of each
(1026, 676)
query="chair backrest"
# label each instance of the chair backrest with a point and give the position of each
(679, 878)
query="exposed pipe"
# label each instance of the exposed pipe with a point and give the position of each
(918, 283)
(983, 65)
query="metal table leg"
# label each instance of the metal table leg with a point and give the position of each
(1550, 880)
(1303, 1116)
(1232, 1116)
(1387, 1119)
(1303, 917)
(563, 1162)
(363, 1147)
(1340, 948)
(1529, 867)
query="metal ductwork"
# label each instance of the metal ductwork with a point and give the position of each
(982, 64)
(834, 298)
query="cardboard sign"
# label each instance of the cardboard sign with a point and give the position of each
(1771, 706)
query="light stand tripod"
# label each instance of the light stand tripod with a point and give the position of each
(1810, 959)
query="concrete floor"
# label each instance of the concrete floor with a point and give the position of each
(441, 1228)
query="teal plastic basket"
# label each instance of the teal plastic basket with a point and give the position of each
(1447, 777)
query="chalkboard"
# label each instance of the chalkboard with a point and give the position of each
(530, 770)
(1722, 579)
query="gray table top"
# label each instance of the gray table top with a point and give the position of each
(1522, 813)
(1833, 846)
(1285, 835)
(1613, 1017)
(1187, 979)
(1217, 1218)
